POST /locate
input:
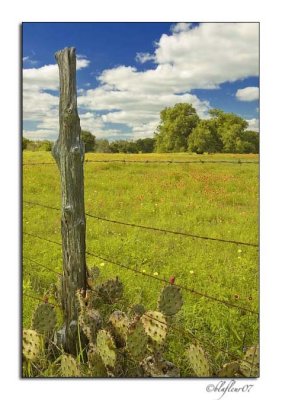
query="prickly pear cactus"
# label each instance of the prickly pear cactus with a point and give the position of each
(155, 326)
(249, 366)
(95, 362)
(137, 310)
(69, 366)
(229, 370)
(119, 321)
(157, 367)
(31, 344)
(44, 318)
(90, 322)
(136, 340)
(198, 360)
(106, 348)
(170, 300)
(87, 299)
(110, 291)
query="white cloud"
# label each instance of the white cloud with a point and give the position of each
(144, 57)
(189, 58)
(29, 60)
(253, 124)
(250, 93)
(180, 27)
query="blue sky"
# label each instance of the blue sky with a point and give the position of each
(128, 72)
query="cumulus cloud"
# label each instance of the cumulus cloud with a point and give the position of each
(126, 98)
(250, 93)
(180, 27)
(253, 124)
(144, 57)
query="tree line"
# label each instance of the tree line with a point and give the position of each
(180, 130)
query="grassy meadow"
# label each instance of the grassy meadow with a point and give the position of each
(216, 200)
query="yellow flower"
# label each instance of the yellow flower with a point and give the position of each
(143, 270)
(102, 264)
(239, 251)
(239, 257)
(191, 272)
(155, 274)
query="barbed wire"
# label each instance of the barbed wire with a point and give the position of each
(184, 331)
(41, 299)
(193, 291)
(156, 162)
(41, 265)
(190, 235)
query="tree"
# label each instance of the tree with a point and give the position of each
(248, 143)
(88, 140)
(25, 142)
(102, 146)
(146, 145)
(230, 129)
(204, 138)
(176, 125)
(123, 146)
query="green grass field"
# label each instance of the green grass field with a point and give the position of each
(216, 200)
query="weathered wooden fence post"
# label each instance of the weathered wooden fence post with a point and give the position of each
(68, 152)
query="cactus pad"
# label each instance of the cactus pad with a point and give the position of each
(249, 366)
(31, 344)
(136, 340)
(119, 322)
(170, 301)
(95, 362)
(106, 348)
(157, 367)
(69, 366)
(138, 309)
(44, 318)
(110, 291)
(198, 360)
(90, 322)
(155, 325)
(229, 370)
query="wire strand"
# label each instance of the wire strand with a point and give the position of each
(190, 235)
(238, 162)
(225, 302)
(41, 265)
(174, 327)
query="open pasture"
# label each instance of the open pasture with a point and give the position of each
(217, 200)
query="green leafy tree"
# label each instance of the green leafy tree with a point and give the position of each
(204, 138)
(230, 129)
(89, 141)
(102, 146)
(146, 145)
(123, 146)
(25, 143)
(176, 125)
(248, 143)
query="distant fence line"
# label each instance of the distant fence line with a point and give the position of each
(156, 162)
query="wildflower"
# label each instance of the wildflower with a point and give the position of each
(144, 271)
(250, 298)
(239, 251)
(239, 257)
(236, 296)
(155, 274)
(171, 280)
(102, 264)
(191, 272)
